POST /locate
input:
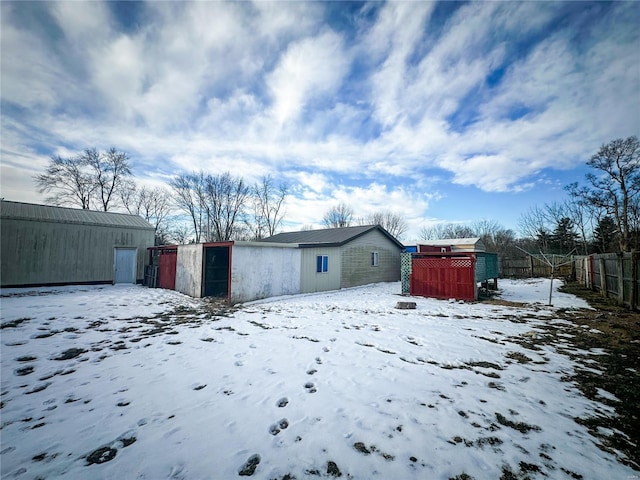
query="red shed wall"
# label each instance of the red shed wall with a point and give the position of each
(438, 277)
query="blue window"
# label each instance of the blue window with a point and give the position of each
(322, 264)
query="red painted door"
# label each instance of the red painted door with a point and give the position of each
(167, 268)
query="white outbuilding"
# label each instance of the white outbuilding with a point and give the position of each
(45, 245)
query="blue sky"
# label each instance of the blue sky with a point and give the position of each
(442, 112)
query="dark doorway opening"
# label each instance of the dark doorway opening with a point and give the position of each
(216, 271)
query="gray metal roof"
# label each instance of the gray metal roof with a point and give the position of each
(328, 236)
(45, 213)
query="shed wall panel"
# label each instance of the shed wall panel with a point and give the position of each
(310, 280)
(356, 260)
(443, 278)
(189, 270)
(262, 272)
(40, 253)
(167, 263)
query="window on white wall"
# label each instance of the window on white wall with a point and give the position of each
(374, 259)
(322, 263)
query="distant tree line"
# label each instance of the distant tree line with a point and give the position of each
(342, 215)
(217, 207)
(603, 215)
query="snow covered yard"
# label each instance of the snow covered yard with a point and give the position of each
(130, 382)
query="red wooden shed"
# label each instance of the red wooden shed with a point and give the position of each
(443, 275)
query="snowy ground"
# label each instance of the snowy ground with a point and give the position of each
(130, 382)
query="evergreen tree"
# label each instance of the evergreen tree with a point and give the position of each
(605, 235)
(564, 237)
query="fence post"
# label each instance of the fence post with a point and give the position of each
(603, 277)
(531, 265)
(633, 302)
(620, 279)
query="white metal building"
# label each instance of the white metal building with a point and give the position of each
(44, 245)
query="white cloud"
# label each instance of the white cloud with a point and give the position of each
(258, 88)
(308, 69)
(394, 37)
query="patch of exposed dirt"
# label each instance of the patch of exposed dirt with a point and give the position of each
(70, 353)
(612, 378)
(14, 323)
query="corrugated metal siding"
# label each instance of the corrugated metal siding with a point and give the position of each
(356, 260)
(45, 252)
(310, 281)
(45, 213)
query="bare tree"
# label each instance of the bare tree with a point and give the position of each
(392, 222)
(495, 237)
(188, 195)
(615, 185)
(152, 204)
(180, 233)
(536, 225)
(338, 216)
(446, 230)
(267, 201)
(582, 217)
(68, 182)
(91, 179)
(109, 171)
(225, 203)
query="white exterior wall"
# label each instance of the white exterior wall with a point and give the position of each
(189, 270)
(263, 271)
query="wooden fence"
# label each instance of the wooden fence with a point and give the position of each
(615, 275)
(536, 266)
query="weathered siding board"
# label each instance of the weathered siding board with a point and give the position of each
(263, 271)
(310, 280)
(356, 260)
(37, 252)
(613, 275)
(189, 270)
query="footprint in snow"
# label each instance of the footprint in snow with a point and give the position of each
(249, 468)
(276, 428)
(310, 387)
(283, 402)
